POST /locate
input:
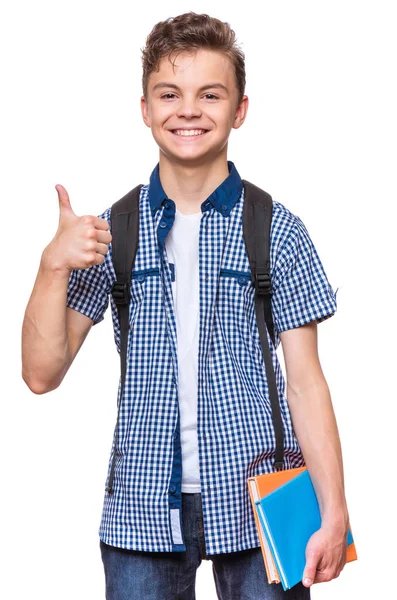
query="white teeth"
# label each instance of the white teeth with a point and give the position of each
(188, 132)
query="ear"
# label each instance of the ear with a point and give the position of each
(241, 113)
(145, 111)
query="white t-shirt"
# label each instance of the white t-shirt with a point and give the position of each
(182, 246)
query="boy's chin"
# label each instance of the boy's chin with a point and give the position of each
(188, 158)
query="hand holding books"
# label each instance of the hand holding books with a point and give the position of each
(287, 515)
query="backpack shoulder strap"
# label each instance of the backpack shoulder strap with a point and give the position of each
(124, 219)
(257, 219)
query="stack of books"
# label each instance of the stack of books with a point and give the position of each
(287, 514)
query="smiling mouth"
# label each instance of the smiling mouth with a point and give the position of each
(189, 134)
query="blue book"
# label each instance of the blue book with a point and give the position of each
(289, 516)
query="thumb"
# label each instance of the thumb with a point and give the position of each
(64, 201)
(310, 569)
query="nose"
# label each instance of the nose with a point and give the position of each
(189, 107)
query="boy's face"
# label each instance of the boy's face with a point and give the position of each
(199, 93)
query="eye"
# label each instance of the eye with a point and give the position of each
(213, 96)
(167, 94)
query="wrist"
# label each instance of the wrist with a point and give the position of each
(336, 520)
(51, 264)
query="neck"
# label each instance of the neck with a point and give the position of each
(189, 185)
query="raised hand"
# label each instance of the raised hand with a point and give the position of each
(80, 242)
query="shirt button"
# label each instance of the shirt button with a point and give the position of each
(166, 204)
(172, 489)
(163, 224)
(224, 207)
(242, 280)
(141, 278)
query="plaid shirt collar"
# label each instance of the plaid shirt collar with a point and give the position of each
(223, 198)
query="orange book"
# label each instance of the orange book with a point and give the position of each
(262, 485)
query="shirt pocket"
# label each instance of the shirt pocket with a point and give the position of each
(236, 301)
(243, 278)
(237, 319)
(139, 280)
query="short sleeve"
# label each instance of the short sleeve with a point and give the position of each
(88, 292)
(301, 292)
(88, 289)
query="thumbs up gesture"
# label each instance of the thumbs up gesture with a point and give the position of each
(80, 242)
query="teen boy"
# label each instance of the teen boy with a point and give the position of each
(195, 419)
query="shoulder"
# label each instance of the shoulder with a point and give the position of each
(285, 221)
(288, 232)
(106, 214)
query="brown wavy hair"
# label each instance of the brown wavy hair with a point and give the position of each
(190, 32)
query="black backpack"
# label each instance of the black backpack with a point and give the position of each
(257, 218)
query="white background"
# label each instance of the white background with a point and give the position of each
(320, 136)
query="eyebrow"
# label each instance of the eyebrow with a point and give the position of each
(207, 86)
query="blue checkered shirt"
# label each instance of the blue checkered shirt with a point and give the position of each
(234, 422)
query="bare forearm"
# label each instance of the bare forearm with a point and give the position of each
(317, 433)
(45, 348)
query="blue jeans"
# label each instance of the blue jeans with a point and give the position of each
(137, 575)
